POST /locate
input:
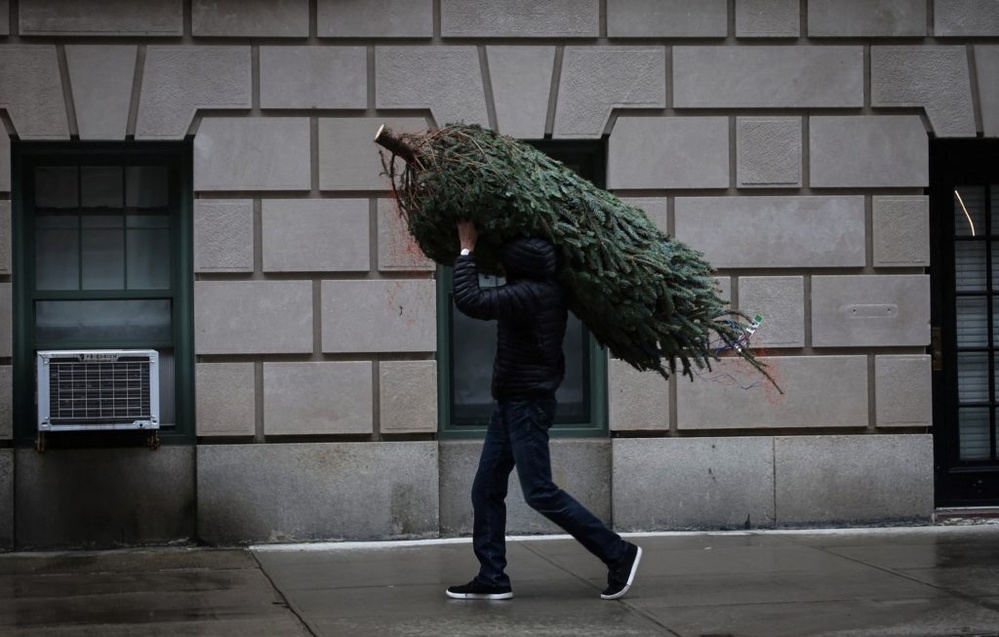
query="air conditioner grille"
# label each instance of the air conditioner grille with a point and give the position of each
(99, 392)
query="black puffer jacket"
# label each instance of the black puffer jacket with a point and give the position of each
(531, 314)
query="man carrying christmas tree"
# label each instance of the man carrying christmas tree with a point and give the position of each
(531, 313)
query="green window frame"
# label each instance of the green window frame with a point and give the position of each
(584, 356)
(153, 208)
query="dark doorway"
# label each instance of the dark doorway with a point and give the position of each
(964, 213)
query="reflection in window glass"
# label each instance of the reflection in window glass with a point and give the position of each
(57, 252)
(973, 431)
(973, 377)
(969, 211)
(969, 266)
(57, 187)
(107, 321)
(972, 321)
(148, 259)
(101, 186)
(147, 187)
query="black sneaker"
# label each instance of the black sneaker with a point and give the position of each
(475, 590)
(620, 577)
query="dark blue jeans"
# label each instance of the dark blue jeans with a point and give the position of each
(518, 436)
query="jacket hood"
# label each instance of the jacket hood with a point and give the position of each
(529, 258)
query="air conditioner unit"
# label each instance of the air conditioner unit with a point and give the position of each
(94, 389)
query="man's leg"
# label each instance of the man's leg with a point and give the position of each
(528, 425)
(489, 503)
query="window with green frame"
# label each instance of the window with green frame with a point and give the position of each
(102, 260)
(467, 346)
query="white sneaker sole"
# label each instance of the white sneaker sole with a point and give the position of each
(487, 596)
(631, 578)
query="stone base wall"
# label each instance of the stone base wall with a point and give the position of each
(248, 494)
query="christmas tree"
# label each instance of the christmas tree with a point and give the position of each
(650, 299)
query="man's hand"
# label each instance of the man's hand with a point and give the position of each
(467, 234)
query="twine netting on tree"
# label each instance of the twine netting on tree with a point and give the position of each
(650, 299)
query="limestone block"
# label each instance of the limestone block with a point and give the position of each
(4, 162)
(379, 316)
(767, 19)
(348, 159)
(667, 19)
(833, 481)
(397, 250)
(735, 396)
(31, 91)
(115, 17)
(769, 152)
(101, 81)
(407, 397)
(866, 18)
(5, 241)
(6, 497)
(315, 235)
(313, 77)
(869, 311)
(595, 80)
(580, 467)
(445, 79)
(4, 17)
(781, 302)
(317, 491)
(903, 391)
(226, 399)
(636, 400)
(6, 402)
(255, 19)
(987, 70)
(396, 18)
(521, 79)
(6, 320)
(270, 153)
(641, 153)
(223, 235)
(318, 398)
(862, 151)
(253, 317)
(104, 497)
(520, 19)
(783, 232)
(768, 76)
(655, 208)
(935, 78)
(178, 80)
(961, 18)
(693, 483)
(901, 231)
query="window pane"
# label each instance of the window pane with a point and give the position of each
(148, 259)
(56, 187)
(147, 187)
(101, 186)
(472, 352)
(57, 252)
(973, 433)
(972, 321)
(969, 266)
(972, 377)
(108, 322)
(103, 259)
(969, 211)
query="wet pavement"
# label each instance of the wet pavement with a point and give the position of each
(927, 581)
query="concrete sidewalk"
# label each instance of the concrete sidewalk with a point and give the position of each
(909, 581)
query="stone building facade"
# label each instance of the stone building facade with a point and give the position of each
(789, 140)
